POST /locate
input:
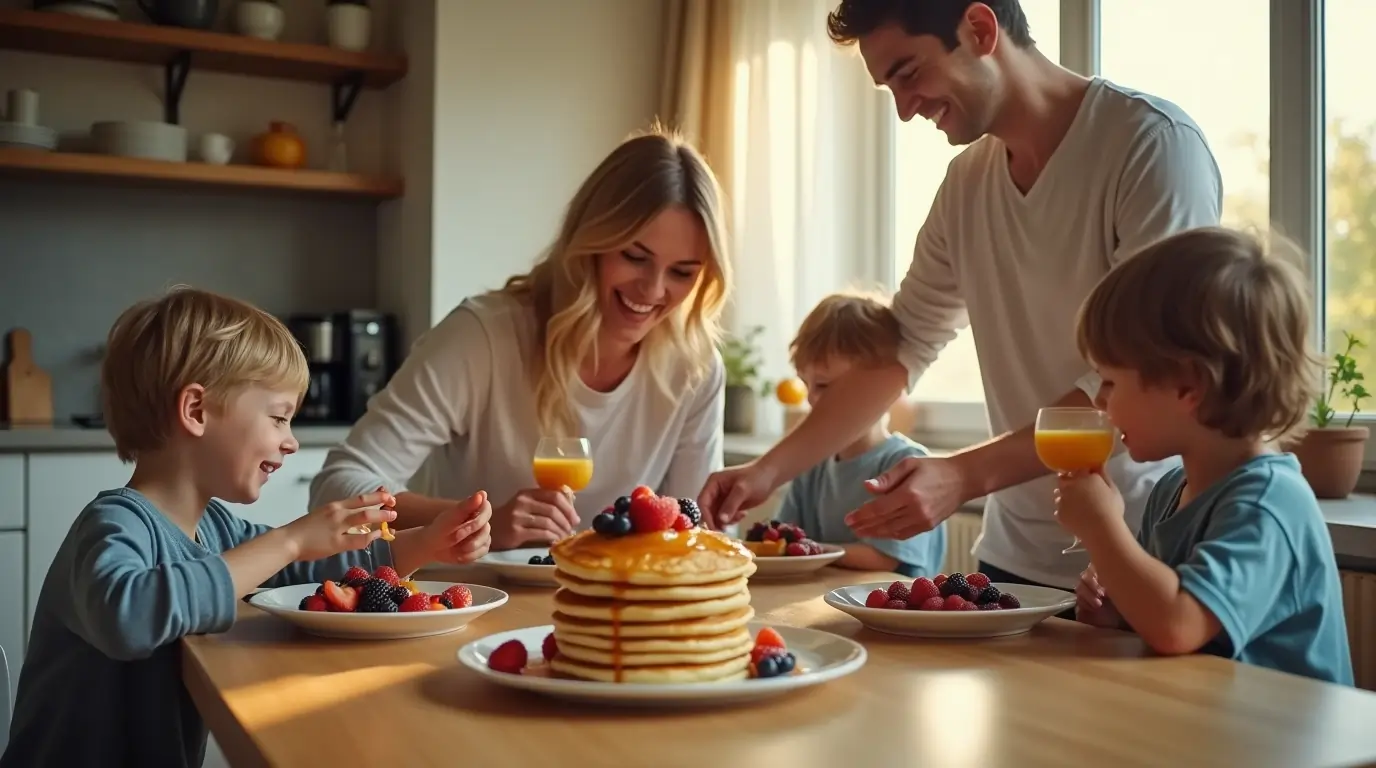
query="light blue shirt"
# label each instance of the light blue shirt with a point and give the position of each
(101, 683)
(820, 498)
(1255, 551)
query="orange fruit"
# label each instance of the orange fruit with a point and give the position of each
(791, 392)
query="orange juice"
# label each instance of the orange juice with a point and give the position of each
(1072, 450)
(554, 473)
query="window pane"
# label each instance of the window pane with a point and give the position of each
(1350, 114)
(921, 154)
(1222, 80)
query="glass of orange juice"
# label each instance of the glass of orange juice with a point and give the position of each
(563, 461)
(1074, 440)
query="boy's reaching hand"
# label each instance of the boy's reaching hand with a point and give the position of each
(325, 531)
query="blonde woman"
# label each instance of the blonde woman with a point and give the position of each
(611, 337)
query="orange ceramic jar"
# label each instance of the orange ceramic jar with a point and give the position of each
(280, 147)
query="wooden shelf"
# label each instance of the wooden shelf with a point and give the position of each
(26, 162)
(66, 35)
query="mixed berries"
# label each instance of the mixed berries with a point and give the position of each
(770, 657)
(541, 560)
(644, 511)
(382, 591)
(956, 592)
(774, 539)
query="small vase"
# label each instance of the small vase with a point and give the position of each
(739, 418)
(262, 19)
(348, 26)
(280, 147)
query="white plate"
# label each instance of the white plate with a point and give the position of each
(283, 602)
(1038, 604)
(513, 565)
(784, 566)
(821, 656)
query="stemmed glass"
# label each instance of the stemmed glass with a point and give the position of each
(563, 462)
(1074, 440)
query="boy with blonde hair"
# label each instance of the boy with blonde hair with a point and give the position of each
(1202, 342)
(199, 391)
(843, 332)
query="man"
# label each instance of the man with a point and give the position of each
(1064, 177)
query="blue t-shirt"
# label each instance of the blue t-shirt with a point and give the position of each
(101, 683)
(1254, 549)
(820, 498)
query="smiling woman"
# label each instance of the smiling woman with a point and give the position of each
(610, 337)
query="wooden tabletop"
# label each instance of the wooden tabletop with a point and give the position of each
(1061, 695)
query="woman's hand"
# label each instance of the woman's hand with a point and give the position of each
(325, 531)
(533, 516)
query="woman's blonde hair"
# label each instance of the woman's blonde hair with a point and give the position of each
(644, 176)
(1213, 303)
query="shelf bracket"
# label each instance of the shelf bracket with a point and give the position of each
(343, 93)
(174, 80)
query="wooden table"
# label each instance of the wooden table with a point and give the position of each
(1062, 695)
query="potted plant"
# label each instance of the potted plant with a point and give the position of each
(348, 24)
(742, 358)
(1331, 451)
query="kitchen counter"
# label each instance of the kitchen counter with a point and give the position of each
(57, 439)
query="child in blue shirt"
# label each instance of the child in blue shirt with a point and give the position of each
(843, 332)
(1202, 344)
(199, 391)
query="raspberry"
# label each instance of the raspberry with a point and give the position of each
(932, 604)
(939, 579)
(977, 580)
(990, 594)
(388, 574)
(682, 523)
(549, 648)
(923, 588)
(954, 585)
(897, 605)
(417, 602)
(354, 577)
(772, 534)
(1009, 600)
(642, 491)
(971, 593)
(953, 603)
(653, 513)
(459, 596)
(877, 599)
(899, 591)
(968, 606)
(797, 549)
(509, 657)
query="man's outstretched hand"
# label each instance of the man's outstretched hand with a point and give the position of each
(733, 491)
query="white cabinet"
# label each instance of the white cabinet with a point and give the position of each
(287, 494)
(13, 620)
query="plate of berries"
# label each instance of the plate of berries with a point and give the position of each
(782, 659)
(784, 549)
(951, 606)
(379, 605)
(528, 566)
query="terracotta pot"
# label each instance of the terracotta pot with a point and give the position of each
(740, 410)
(280, 147)
(1331, 459)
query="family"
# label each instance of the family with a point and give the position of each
(1077, 235)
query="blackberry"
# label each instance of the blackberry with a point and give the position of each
(399, 594)
(377, 600)
(689, 507)
(954, 584)
(789, 535)
(756, 532)
(302, 606)
(1009, 600)
(547, 560)
(989, 594)
(537, 560)
(622, 505)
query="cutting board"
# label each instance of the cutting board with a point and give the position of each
(28, 388)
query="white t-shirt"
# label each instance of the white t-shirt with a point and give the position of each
(1131, 169)
(465, 394)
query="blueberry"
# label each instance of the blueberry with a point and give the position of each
(622, 505)
(620, 525)
(767, 667)
(786, 663)
(536, 560)
(549, 560)
(603, 523)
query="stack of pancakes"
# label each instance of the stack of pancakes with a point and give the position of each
(662, 607)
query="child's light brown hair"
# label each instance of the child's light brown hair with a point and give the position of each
(857, 327)
(1210, 302)
(158, 347)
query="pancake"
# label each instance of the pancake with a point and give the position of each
(734, 669)
(685, 654)
(690, 628)
(686, 643)
(661, 558)
(629, 611)
(680, 593)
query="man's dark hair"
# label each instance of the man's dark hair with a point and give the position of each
(854, 19)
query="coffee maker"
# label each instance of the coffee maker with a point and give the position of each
(351, 354)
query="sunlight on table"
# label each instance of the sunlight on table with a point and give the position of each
(287, 698)
(971, 696)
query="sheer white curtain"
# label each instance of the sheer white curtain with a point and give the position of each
(804, 163)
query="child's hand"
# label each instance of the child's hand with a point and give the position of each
(325, 531)
(1087, 502)
(1092, 605)
(462, 533)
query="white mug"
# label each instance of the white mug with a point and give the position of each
(216, 148)
(22, 106)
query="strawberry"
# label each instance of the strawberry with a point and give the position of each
(341, 599)
(953, 603)
(417, 602)
(459, 596)
(550, 647)
(933, 604)
(388, 574)
(682, 523)
(899, 591)
(770, 636)
(354, 577)
(977, 580)
(316, 603)
(642, 491)
(509, 657)
(877, 599)
(924, 588)
(897, 605)
(653, 513)
(797, 549)
(939, 579)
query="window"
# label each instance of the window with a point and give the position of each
(920, 156)
(1349, 298)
